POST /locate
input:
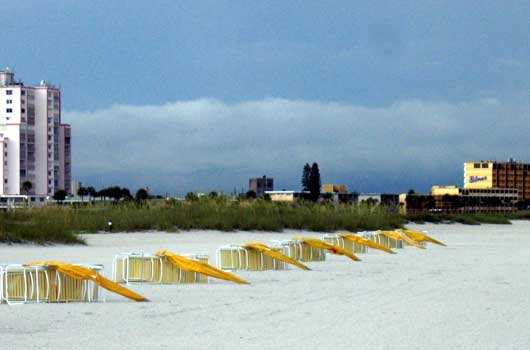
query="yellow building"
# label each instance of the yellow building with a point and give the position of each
(478, 175)
(332, 188)
(443, 190)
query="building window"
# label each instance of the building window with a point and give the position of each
(23, 92)
(9, 102)
(22, 110)
(476, 165)
(9, 110)
(9, 92)
(485, 165)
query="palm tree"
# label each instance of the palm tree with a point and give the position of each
(91, 192)
(82, 192)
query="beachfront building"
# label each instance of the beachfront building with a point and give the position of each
(386, 199)
(261, 184)
(35, 144)
(285, 196)
(494, 175)
(453, 199)
(474, 200)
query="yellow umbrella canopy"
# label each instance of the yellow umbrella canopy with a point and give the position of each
(421, 237)
(366, 242)
(320, 244)
(400, 236)
(191, 265)
(83, 273)
(266, 250)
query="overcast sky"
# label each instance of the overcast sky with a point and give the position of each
(201, 95)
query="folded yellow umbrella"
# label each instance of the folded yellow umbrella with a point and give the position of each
(400, 236)
(266, 250)
(83, 273)
(320, 244)
(421, 237)
(191, 265)
(365, 242)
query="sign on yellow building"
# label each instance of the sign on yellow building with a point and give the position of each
(478, 175)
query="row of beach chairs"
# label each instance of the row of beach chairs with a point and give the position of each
(21, 284)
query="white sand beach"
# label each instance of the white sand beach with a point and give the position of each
(472, 294)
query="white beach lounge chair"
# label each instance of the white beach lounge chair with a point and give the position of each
(137, 268)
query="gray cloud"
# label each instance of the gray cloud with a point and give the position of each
(207, 144)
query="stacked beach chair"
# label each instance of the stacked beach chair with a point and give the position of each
(381, 239)
(20, 284)
(150, 268)
(348, 245)
(239, 257)
(301, 251)
(171, 274)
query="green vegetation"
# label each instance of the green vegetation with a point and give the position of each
(40, 225)
(61, 224)
(215, 212)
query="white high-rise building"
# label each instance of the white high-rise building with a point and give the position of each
(35, 146)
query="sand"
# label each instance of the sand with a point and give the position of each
(473, 294)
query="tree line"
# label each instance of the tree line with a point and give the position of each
(114, 192)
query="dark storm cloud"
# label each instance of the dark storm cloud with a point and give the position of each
(207, 144)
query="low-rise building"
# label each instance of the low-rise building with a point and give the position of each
(452, 199)
(387, 199)
(284, 196)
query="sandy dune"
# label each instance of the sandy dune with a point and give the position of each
(473, 294)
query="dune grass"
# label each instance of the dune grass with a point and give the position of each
(39, 225)
(62, 224)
